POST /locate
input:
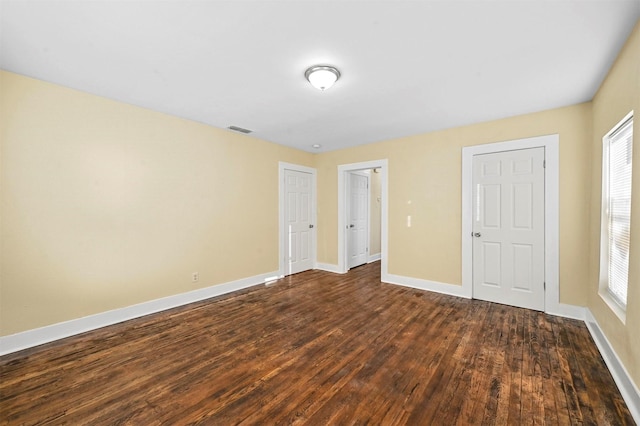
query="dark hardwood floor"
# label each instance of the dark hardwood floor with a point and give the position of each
(319, 348)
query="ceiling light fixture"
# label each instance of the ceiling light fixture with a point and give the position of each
(322, 76)
(316, 146)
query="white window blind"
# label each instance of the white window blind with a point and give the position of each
(618, 209)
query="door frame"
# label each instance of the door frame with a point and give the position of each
(343, 192)
(282, 228)
(363, 173)
(551, 215)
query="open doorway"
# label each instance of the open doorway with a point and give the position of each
(362, 214)
(363, 217)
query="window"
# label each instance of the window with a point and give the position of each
(616, 213)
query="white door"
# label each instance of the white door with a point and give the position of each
(508, 228)
(358, 219)
(298, 220)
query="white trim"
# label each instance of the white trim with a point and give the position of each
(629, 391)
(437, 287)
(39, 336)
(282, 166)
(551, 214)
(603, 273)
(383, 165)
(568, 311)
(563, 310)
(368, 173)
(328, 267)
(374, 258)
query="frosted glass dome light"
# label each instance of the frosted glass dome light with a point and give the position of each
(322, 76)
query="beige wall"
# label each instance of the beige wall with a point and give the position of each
(375, 213)
(617, 96)
(425, 182)
(105, 205)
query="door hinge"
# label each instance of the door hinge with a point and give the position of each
(544, 164)
(544, 285)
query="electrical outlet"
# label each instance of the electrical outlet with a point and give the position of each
(195, 277)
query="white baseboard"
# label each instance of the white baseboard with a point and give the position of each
(450, 289)
(39, 336)
(628, 389)
(374, 257)
(560, 309)
(328, 267)
(567, 311)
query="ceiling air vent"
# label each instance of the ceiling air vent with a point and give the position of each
(239, 129)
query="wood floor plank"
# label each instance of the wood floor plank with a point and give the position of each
(407, 368)
(588, 360)
(463, 364)
(495, 388)
(563, 349)
(472, 406)
(429, 397)
(514, 363)
(532, 372)
(556, 401)
(319, 348)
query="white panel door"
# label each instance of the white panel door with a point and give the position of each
(298, 220)
(508, 228)
(358, 220)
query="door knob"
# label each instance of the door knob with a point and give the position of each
(351, 226)
(310, 226)
(477, 234)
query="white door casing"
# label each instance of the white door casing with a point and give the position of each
(358, 219)
(297, 218)
(508, 228)
(551, 144)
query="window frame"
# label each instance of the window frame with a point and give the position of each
(604, 292)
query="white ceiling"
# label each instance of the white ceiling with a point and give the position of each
(407, 67)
